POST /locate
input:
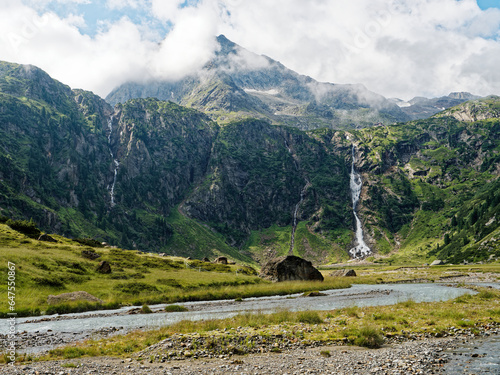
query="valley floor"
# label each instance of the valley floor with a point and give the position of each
(423, 356)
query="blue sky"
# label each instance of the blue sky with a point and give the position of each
(485, 4)
(398, 48)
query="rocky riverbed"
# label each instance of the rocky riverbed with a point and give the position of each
(427, 356)
(223, 353)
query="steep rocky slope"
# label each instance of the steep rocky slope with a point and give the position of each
(156, 176)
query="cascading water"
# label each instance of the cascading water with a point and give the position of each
(295, 213)
(115, 162)
(297, 206)
(361, 250)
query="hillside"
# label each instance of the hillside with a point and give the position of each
(156, 176)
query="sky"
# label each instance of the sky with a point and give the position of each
(398, 48)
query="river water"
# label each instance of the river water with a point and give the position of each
(357, 295)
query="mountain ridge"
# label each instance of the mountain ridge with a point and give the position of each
(296, 100)
(186, 185)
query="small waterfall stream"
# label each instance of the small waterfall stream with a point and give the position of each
(115, 162)
(295, 213)
(297, 206)
(361, 250)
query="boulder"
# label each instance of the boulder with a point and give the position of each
(45, 237)
(343, 273)
(221, 260)
(71, 297)
(89, 254)
(290, 268)
(437, 262)
(104, 267)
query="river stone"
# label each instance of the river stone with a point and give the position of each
(290, 268)
(343, 273)
(71, 297)
(104, 267)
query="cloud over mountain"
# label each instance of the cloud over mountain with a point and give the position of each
(399, 48)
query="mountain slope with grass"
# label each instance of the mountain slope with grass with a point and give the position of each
(156, 176)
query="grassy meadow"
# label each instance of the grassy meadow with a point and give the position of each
(44, 268)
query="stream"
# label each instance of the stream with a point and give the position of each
(116, 163)
(58, 329)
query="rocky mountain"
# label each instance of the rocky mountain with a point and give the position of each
(239, 84)
(420, 107)
(156, 176)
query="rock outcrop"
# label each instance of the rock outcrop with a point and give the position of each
(45, 237)
(289, 268)
(89, 254)
(343, 273)
(104, 267)
(221, 260)
(72, 297)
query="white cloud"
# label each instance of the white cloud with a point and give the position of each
(398, 48)
(120, 4)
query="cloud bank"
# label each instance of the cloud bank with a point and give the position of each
(399, 48)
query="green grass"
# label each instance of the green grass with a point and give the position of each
(44, 269)
(309, 245)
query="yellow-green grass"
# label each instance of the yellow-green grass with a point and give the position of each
(376, 273)
(364, 326)
(45, 268)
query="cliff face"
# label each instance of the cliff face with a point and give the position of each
(256, 177)
(163, 149)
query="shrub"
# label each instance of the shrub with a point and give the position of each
(325, 353)
(309, 317)
(88, 242)
(3, 219)
(25, 227)
(145, 309)
(135, 288)
(80, 306)
(55, 282)
(169, 282)
(175, 308)
(369, 337)
(486, 294)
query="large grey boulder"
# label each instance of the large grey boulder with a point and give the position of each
(72, 297)
(437, 262)
(289, 268)
(343, 273)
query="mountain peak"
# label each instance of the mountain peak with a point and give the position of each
(226, 46)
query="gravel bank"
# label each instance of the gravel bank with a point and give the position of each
(423, 356)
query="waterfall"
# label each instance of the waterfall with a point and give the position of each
(361, 250)
(116, 163)
(295, 213)
(302, 196)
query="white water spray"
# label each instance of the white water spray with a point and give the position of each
(115, 162)
(361, 250)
